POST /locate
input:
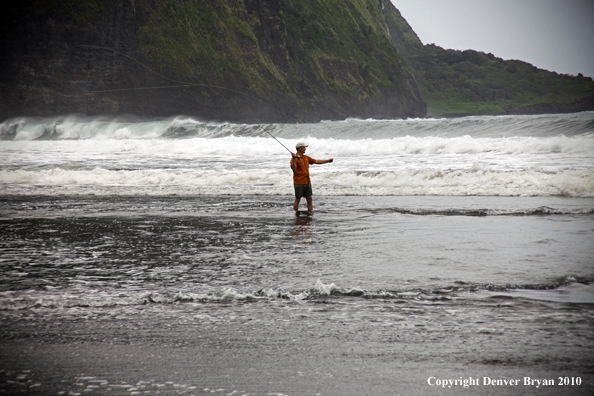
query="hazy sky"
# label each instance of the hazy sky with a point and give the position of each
(556, 35)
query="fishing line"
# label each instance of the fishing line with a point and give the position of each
(184, 84)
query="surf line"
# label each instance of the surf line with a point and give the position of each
(183, 84)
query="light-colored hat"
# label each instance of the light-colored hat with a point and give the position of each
(300, 144)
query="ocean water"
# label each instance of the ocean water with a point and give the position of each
(178, 219)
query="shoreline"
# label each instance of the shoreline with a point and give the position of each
(322, 347)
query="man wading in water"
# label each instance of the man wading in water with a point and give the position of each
(300, 165)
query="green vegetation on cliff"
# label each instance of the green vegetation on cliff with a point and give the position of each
(336, 52)
(210, 41)
(472, 82)
(342, 44)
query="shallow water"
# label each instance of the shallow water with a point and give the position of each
(105, 251)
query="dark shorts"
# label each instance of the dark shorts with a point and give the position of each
(303, 190)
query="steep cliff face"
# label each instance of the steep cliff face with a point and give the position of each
(341, 57)
(234, 60)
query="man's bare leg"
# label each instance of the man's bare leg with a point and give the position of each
(296, 204)
(309, 203)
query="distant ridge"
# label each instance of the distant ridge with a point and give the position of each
(458, 83)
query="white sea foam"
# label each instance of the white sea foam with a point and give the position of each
(472, 181)
(131, 158)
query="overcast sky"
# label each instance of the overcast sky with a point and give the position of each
(556, 35)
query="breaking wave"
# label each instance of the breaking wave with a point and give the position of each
(453, 182)
(565, 290)
(101, 128)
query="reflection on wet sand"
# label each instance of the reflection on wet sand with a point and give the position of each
(302, 230)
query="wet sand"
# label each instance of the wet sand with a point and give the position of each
(341, 347)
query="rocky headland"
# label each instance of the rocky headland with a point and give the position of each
(226, 60)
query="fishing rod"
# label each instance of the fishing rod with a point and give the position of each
(278, 141)
(183, 84)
